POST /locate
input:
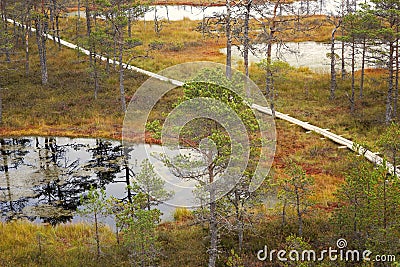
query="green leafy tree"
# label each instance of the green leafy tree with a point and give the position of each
(94, 205)
(387, 36)
(142, 237)
(296, 191)
(390, 143)
(139, 228)
(369, 214)
(212, 143)
(356, 196)
(360, 29)
(274, 70)
(152, 185)
(298, 244)
(119, 16)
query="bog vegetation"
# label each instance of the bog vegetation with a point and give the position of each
(315, 193)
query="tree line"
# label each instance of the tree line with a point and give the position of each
(372, 32)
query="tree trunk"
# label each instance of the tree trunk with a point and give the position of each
(166, 7)
(3, 11)
(389, 99)
(27, 49)
(396, 82)
(352, 100)
(127, 178)
(52, 20)
(364, 50)
(247, 44)
(41, 43)
(299, 213)
(228, 40)
(15, 28)
(333, 63)
(157, 22)
(239, 221)
(96, 77)
(240, 234)
(321, 3)
(213, 251)
(130, 23)
(43, 60)
(78, 22)
(121, 72)
(115, 49)
(343, 59)
(108, 63)
(270, 90)
(5, 27)
(284, 216)
(88, 29)
(246, 38)
(96, 223)
(58, 31)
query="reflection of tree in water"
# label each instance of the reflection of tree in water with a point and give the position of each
(12, 152)
(106, 161)
(67, 180)
(59, 181)
(110, 163)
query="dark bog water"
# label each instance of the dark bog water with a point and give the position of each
(43, 178)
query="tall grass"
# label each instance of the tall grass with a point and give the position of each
(27, 244)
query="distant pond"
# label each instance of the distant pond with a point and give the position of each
(180, 12)
(43, 178)
(312, 55)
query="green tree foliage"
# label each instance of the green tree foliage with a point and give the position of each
(5, 43)
(359, 28)
(275, 71)
(296, 245)
(389, 141)
(152, 185)
(119, 15)
(94, 206)
(234, 260)
(369, 214)
(296, 191)
(387, 36)
(139, 228)
(212, 142)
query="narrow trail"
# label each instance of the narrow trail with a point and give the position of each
(345, 143)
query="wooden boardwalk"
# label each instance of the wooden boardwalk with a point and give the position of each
(371, 156)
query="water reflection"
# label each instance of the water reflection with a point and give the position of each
(44, 178)
(301, 54)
